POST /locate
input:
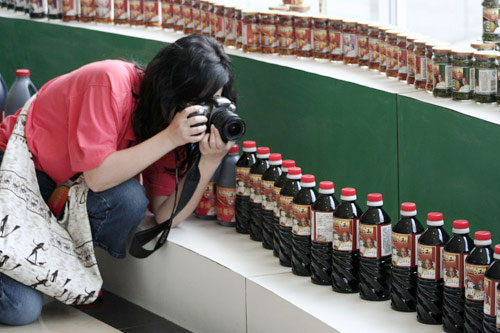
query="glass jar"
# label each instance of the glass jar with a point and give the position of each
(350, 42)
(152, 15)
(392, 50)
(303, 36)
(70, 11)
(197, 16)
(269, 33)
(213, 20)
(237, 18)
(382, 35)
(420, 64)
(167, 15)
(430, 67)
(177, 13)
(442, 71)
(402, 57)
(205, 7)
(410, 53)
(373, 47)
(483, 46)
(485, 76)
(104, 11)
(220, 29)
(250, 31)
(230, 23)
(320, 38)
(286, 35)
(136, 12)
(335, 40)
(363, 51)
(463, 75)
(187, 16)
(87, 11)
(491, 33)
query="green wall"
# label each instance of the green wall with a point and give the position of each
(354, 135)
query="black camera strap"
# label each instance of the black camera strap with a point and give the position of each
(141, 238)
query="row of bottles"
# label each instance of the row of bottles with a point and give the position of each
(447, 280)
(20, 91)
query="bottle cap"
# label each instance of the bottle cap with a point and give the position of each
(460, 227)
(275, 159)
(497, 252)
(234, 150)
(408, 209)
(294, 173)
(482, 238)
(308, 181)
(23, 73)
(249, 146)
(375, 200)
(326, 187)
(348, 194)
(435, 219)
(263, 152)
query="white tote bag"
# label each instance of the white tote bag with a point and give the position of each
(54, 257)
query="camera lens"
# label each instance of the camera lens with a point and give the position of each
(234, 129)
(231, 127)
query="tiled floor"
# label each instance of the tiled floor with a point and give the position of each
(112, 316)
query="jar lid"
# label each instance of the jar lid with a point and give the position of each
(249, 12)
(287, 15)
(485, 54)
(441, 49)
(267, 13)
(386, 28)
(336, 19)
(420, 42)
(229, 7)
(374, 25)
(462, 52)
(480, 45)
(350, 21)
(320, 18)
(402, 34)
(392, 32)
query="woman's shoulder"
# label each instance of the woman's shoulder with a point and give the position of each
(112, 73)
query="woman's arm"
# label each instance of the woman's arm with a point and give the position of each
(127, 163)
(213, 149)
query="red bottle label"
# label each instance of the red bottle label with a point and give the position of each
(243, 181)
(277, 191)
(267, 187)
(207, 207)
(301, 220)
(430, 262)
(454, 269)
(474, 281)
(226, 201)
(321, 226)
(255, 195)
(375, 240)
(404, 249)
(490, 287)
(345, 234)
(286, 218)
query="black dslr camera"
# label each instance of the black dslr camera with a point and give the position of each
(220, 112)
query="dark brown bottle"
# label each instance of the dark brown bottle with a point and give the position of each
(375, 251)
(278, 185)
(287, 193)
(226, 189)
(430, 279)
(255, 203)
(455, 252)
(491, 281)
(301, 229)
(476, 264)
(345, 254)
(405, 235)
(322, 234)
(268, 199)
(243, 166)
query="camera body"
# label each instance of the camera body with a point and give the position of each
(220, 112)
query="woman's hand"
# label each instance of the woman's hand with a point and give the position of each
(180, 131)
(212, 148)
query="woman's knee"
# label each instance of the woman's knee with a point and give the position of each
(19, 304)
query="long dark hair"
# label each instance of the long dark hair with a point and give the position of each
(190, 70)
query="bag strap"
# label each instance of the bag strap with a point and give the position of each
(141, 238)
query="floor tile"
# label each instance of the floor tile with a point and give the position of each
(167, 327)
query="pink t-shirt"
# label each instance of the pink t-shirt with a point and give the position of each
(80, 118)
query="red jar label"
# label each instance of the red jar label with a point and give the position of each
(321, 43)
(269, 35)
(167, 13)
(251, 36)
(321, 226)
(335, 38)
(230, 28)
(205, 22)
(136, 10)
(383, 53)
(420, 68)
(87, 8)
(121, 10)
(286, 37)
(490, 287)
(286, 214)
(243, 181)
(392, 57)
(474, 281)
(373, 46)
(226, 201)
(187, 15)
(103, 9)
(454, 269)
(152, 11)
(430, 67)
(69, 8)
(490, 20)
(411, 64)
(220, 31)
(430, 262)
(177, 13)
(375, 240)
(277, 191)
(304, 38)
(301, 220)
(364, 52)
(196, 18)
(350, 45)
(403, 60)
(207, 205)
(267, 188)
(239, 29)
(345, 234)
(255, 193)
(404, 249)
